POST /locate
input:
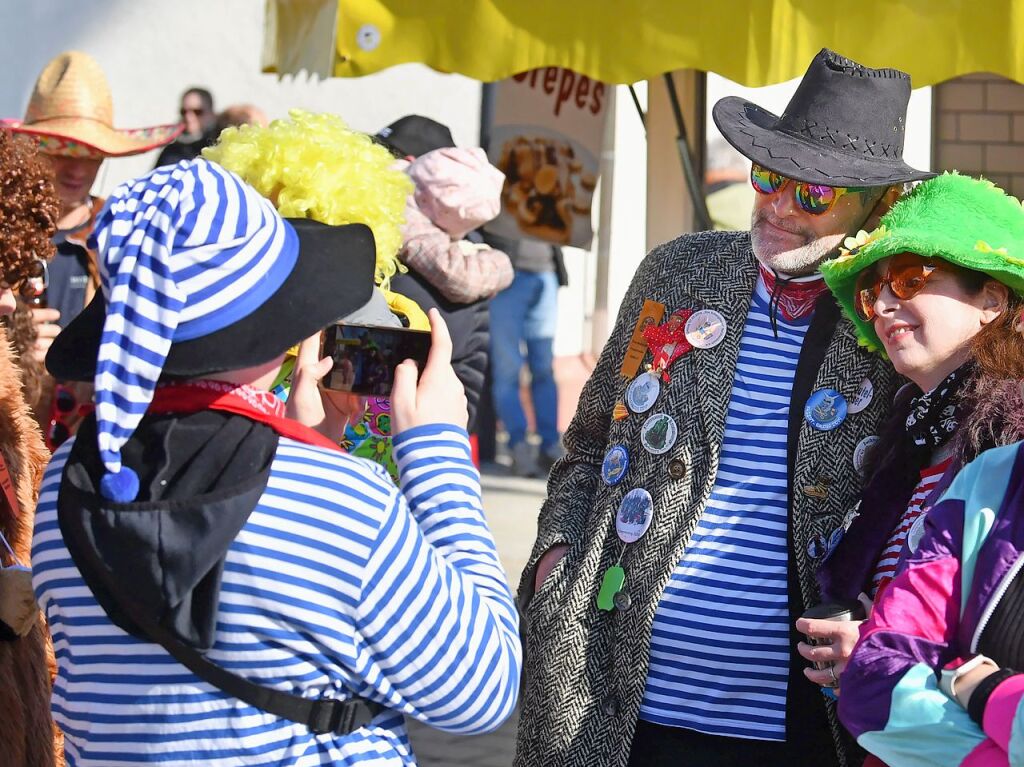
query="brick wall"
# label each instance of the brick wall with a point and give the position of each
(979, 129)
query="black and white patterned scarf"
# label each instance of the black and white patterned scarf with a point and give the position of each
(935, 415)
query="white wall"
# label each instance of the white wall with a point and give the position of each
(152, 51)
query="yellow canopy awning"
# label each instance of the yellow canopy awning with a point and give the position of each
(754, 42)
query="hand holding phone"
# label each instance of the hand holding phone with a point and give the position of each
(438, 395)
(365, 356)
(328, 412)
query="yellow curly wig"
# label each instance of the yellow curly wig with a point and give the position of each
(314, 166)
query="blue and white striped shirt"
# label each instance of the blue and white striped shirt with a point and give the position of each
(338, 584)
(720, 642)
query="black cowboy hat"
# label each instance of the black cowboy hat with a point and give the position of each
(332, 277)
(844, 126)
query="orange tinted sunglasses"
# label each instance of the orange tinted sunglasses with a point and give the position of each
(906, 276)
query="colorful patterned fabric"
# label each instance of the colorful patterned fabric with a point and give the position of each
(935, 611)
(371, 437)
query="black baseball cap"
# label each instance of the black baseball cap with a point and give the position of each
(414, 135)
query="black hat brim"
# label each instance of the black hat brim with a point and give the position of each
(754, 133)
(332, 277)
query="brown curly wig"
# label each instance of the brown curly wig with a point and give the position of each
(28, 207)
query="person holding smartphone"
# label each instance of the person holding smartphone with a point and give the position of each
(271, 598)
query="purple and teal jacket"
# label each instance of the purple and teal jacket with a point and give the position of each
(959, 594)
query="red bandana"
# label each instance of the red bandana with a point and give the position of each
(667, 341)
(795, 299)
(194, 396)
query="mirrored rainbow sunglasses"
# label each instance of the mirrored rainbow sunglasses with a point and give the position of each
(812, 198)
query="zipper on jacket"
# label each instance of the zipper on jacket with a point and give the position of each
(997, 595)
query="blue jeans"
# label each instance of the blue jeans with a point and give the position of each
(525, 312)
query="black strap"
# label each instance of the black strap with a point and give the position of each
(321, 716)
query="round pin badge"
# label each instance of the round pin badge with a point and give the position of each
(642, 392)
(825, 409)
(915, 534)
(634, 515)
(817, 547)
(861, 452)
(659, 433)
(705, 328)
(863, 397)
(615, 465)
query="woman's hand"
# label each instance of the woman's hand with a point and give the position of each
(838, 638)
(438, 396)
(47, 329)
(327, 411)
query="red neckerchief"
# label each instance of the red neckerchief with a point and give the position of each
(262, 406)
(794, 299)
(667, 341)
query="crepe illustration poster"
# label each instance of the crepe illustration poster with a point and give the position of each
(546, 138)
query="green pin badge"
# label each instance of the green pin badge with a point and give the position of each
(614, 579)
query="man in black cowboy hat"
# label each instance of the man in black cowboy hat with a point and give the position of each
(740, 406)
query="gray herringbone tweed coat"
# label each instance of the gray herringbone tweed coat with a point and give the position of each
(585, 668)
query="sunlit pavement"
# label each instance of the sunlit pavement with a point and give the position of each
(512, 504)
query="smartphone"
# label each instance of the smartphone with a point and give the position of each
(365, 356)
(33, 289)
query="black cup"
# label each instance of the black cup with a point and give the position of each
(851, 610)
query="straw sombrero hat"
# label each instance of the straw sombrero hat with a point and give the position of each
(71, 114)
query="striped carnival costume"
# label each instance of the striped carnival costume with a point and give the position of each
(192, 531)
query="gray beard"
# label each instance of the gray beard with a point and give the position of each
(797, 262)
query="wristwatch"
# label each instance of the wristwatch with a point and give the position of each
(949, 676)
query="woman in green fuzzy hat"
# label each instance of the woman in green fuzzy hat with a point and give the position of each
(937, 288)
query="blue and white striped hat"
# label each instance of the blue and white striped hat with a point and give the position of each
(184, 251)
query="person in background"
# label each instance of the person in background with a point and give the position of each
(70, 114)
(28, 216)
(524, 316)
(943, 309)
(199, 128)
(284, 161)
(222, 543)
(442, 274)
(241, 114)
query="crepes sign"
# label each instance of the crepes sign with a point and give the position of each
(546, 138)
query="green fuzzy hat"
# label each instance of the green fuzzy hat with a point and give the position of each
(966, 221)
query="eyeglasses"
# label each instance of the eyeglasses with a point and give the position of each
(906, 276)
(812, 198)
(63, 409)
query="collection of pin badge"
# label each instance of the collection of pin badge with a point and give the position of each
(826, 409)
(683, 331)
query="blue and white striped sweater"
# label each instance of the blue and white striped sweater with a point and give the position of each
(720, 639)
(338, 584)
